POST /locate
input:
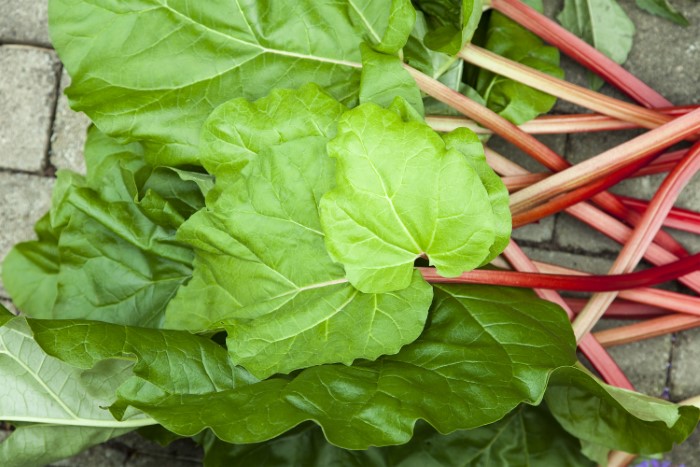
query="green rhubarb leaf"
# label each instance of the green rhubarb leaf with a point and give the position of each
(402, 192)
(484, 351)
(153, 70)
(616, 418)
(239, 131)
(262, 271)
(452, 23)
(510, 99)
(664, 9)
(601, 23)
(107, 249)
(39, 388)
(527, 436)
(37, 445)
(384, 79)
(191, 364)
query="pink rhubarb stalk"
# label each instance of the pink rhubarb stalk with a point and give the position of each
(587, 98)
(642, 236)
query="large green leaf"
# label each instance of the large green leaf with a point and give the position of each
(511, 99)
(39, 388)
(528, 436)
(616, 418)
(601, 23)
(107, 250)
(400, 193)
(484, 351)
(261, 268)
(153, 70)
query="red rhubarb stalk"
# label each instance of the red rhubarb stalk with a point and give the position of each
(609, 161)
(642, 236)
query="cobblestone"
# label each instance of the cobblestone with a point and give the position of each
(27, 90)
(69, 133)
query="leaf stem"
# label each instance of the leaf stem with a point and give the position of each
(587, 98)
(646, 329)
(580, 51)
(592, 283)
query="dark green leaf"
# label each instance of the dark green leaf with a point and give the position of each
(452, 23)
(510, 99)
(485, 351)
(107, 250)
(616, 418)
(528, 436)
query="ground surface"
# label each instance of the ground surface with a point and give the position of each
(40, 134)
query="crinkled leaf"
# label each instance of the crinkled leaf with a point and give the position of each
(484, 351)
(617, 418)
(511, 99)
(239, 131)
(42, 389)
(384, 79)
(601, 23)
(452, 23)
(664, 9)
(262, 270)
(401, 192)
(528, 436)
(37, 445)
(153, 70)
(107, 250)
(468, 143)
(176, 361)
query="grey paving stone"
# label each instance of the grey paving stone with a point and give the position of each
(685, 371)
(688, 453)
(23, 200)
(27, 95)
(645, 363)
(542, 231)
(24, 21)
(69, 133)
(592, 264)
(570, 233)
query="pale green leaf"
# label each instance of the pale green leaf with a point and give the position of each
(39, 388)
(616, 418)
(153, 70)
(484, 351)
(601, 23)
(261, 269)
(384, 79)
(400, 193)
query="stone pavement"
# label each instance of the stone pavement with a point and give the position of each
(40, 134)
